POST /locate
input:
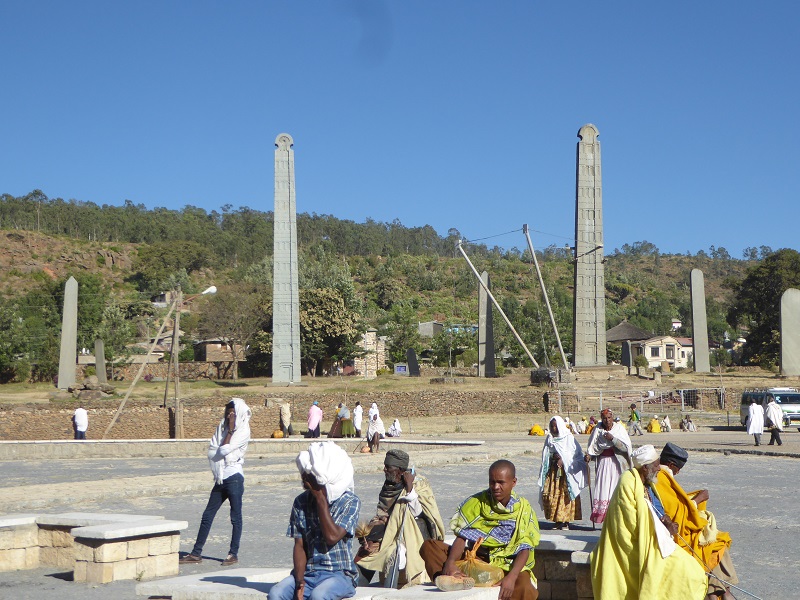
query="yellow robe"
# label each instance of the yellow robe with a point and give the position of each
(654, 426)
(627, 564)
(691, 520)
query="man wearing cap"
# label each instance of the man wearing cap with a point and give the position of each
(697, 531)
(407, 511)
(636, 556)
(607, 441)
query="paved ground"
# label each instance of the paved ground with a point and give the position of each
(753, 496)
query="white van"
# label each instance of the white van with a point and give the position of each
(787, 398)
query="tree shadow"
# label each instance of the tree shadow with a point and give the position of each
(230, 384)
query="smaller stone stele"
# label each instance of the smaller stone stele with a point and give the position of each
(790, 333)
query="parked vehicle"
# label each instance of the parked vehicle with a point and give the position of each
(787, 398)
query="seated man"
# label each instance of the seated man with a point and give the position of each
(406, 511)
(654, 426)
(635, 556)
(509, 529)
(322, 523)
(696, 526)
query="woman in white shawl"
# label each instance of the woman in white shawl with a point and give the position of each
(226, 459)
(563, 475)
(394, 429)
(373, 410)
(375, 432)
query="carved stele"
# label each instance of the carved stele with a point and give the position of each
(285, 292)
(69, 336)
(589, 321)
(486, 367)
(699, 323)
(790, 333)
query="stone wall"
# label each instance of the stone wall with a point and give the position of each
(143, 420)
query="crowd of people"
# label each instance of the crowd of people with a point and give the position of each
(657, 541)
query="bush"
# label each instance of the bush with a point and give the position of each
(641, 361)
(89, 371)
(383, 371)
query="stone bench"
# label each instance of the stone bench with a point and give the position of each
(562, 571)
(56, 544)
(129, 550)
(19, 543)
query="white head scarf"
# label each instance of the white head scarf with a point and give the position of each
(330, 465)
(566, 446)
(373, 410)
(239, 440)
(644, 455)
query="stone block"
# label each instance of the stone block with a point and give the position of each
(146, 568)
(139, 548)
(48, 556)
(7, 538)
(559, 570)
(79, 572)
(538, 568)
(563, 590)
(176, 544)
(583, 582)
(61, 538)
(161, 544)
(64, 558)
(543, 587)
(45, 537)
(124, 569)
(111, 552)
(12, 559)
(26, 536)
(99, 572)
(32, 557)
(167, 564)
(83, 551)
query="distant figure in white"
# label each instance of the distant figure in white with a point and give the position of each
(775, 421)
(394, 429)
(80, 423)
(755, 421)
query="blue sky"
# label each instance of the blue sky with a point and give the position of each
(450, 113)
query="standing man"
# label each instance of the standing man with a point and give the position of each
(509, 529)
(314, 419)
(226, 458)
(358, 414)
(322, 523)
(608, 440)
(634, 422)
(80, 423)
(775, 416)
(755, 421)
(636, 556)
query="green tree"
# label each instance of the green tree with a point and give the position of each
(117, 332)
(756, 306)
(327, 328)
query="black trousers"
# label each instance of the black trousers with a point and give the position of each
(775, 436)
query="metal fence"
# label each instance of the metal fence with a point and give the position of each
(568, 402)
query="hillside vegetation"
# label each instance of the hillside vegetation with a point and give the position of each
(353, 276)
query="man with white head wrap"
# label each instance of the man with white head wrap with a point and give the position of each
(636, 556)
(226, 459)
(322, 523)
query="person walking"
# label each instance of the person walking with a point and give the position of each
(774, 416)
(358, 414)
(80, 423)
(226, 457)
(562, 475)
(634, 422)
(755, 421)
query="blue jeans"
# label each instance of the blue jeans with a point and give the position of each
(232, 490)
(320, 585)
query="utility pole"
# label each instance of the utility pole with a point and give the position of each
(544, 292)
(176, 350)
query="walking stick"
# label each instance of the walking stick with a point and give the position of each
(591, 500)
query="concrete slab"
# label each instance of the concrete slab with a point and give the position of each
(114, 531)
(17, 520)
(90, 519)
(570, 542)
(431, 592)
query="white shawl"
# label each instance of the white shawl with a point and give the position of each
(775, 414)
(373, 410)
(330, 465)
(755, 419)
(567, 447)
(598, 443)
(237, 447)
(375, 426)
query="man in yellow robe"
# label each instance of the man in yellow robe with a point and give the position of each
(697, 530)
(635, 557)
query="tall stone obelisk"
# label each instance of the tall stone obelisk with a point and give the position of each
(486, 367)
(285, 292)
(68, 357)
(589, 321)
(697, 288)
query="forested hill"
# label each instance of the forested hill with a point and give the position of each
(382, 275)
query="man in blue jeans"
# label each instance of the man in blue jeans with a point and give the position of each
(226, 458)
(322, 523)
